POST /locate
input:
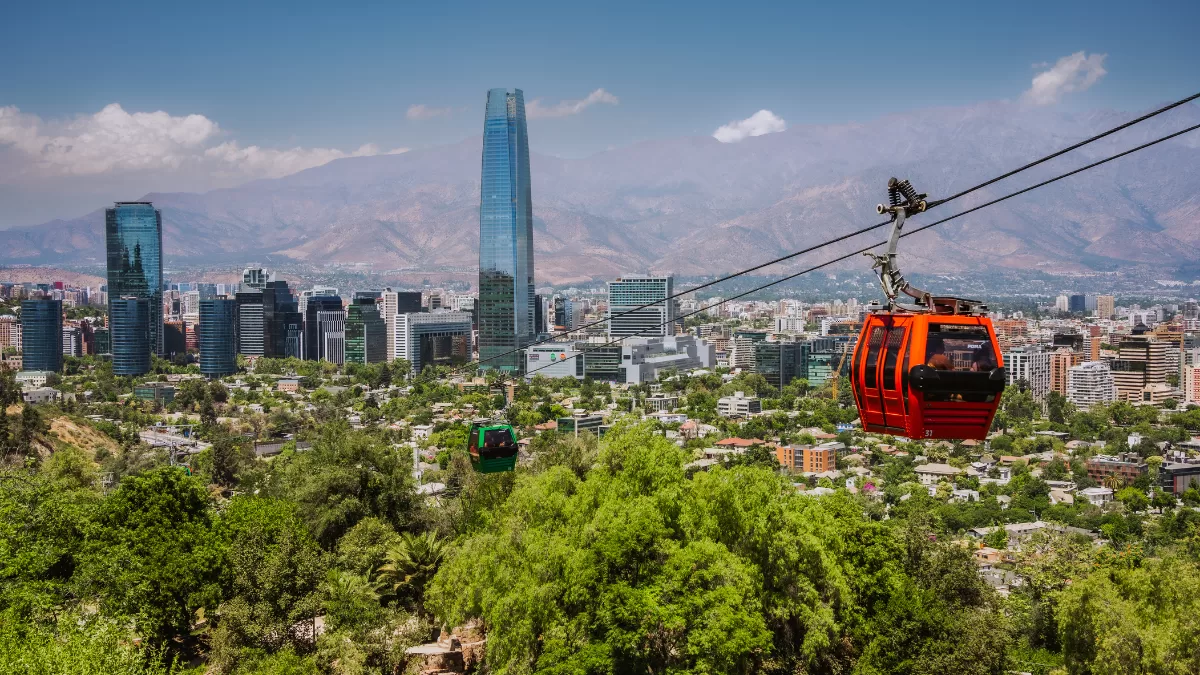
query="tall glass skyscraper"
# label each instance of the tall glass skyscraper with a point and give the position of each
(218, 337)
(128, 319)
(41, 335)
(506, 304)
(133, 233)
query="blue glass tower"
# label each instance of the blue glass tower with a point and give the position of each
(133, 234)
(506, 304)
(218, 340)
(41, 335)
(129, 322)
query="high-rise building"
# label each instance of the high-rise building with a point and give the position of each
(41, 335)
(256, 277)
(627, 294)
(218, 337)
(1077, 303)
(366, 334)
(10, 332)
(1106, 306)
(564, 311)
(1191, 383)
(283, 325)
(391, 304)
(1142, 361)
(129, 319)
(1061, 362)
(322, 291)
(133, 236)
(1090, 383)
(250, 322)
(1030, 363)
(331, 335)
(505, 307)
(103, 338)
(433, 338)
(174, 338)
(314, 338)
(72, 339)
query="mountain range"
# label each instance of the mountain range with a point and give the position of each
(695, 206)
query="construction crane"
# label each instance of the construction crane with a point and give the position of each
(837, 374)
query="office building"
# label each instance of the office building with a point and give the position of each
(1142, 361)
(1029, 364)
(331, 335)
(72, 341)
(738, 405)
(133, 237)
(129, 321)
(282, 323)
(318, 291)
(41, 335)
(256, 277)
(790, 324)
(633, 361)
(250, 321)
(1077, 304)
(314, 340)
(563, 311)
(366, 334)
(778, 362)
(391, 304)
(505, 306)
(103, 341)
(1090, 383)
(432, 338)
(218, 337)
(626, 316)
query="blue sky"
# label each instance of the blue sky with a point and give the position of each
(336, 77)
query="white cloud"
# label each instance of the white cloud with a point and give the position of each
(271, 163)
(114, 141)
(535, 109)
(1071, 73)
(761, 122)
(420, 111)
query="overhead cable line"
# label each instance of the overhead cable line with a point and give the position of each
(810, 249)
(877, 244)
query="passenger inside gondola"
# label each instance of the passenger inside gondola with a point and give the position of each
(936, 355)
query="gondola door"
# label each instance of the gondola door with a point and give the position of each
(891, 373)
(872, 401)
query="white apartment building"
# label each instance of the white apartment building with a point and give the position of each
(1032, 364)
(789, 324)
(1090, 383)
(738, 405)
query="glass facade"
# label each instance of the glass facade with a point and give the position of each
(506, 303)
(129, 320)
(41, 335)
(366, 334)
(314, 338)
(218, 341)
(283, 325)
(133, 236)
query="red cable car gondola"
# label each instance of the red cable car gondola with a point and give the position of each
(926, 370)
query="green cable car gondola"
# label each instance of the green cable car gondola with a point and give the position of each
(492, 446)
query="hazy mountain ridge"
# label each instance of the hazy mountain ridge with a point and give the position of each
(694, 205)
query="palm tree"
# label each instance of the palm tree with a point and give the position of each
(1114, 482)
(349, 598)
(411, 564)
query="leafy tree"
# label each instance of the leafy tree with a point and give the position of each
(347, 476)
(151, 553)
(273, 568)
(1133, 499)
(76, 643)
(364, 547)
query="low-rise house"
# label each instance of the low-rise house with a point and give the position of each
(1096, 496)
(40, 395)
(738, 405)
(288, 386)
(931, 474)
